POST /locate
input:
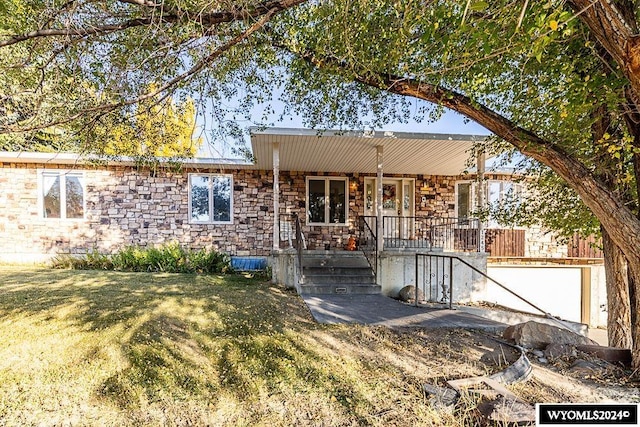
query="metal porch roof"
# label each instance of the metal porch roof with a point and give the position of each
(344, 152)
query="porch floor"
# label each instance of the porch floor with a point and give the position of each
(382, 310)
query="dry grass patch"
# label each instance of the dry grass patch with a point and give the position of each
(134, 349)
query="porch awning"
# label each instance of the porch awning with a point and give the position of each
(344, 152)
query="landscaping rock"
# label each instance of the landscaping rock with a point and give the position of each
(408, 293)
(586, 369)
(538, 335)
(508, 411)
(441, 398)
(560, 351)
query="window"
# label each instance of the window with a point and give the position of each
(464, 200)
(327, 200)
(62, 194)
(210, 198)
(496, 193)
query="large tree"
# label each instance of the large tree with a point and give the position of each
(558, 80)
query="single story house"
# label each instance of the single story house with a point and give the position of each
(409, 191)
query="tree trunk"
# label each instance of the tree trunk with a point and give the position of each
(618, 298)
(614, 214)
(634, 282)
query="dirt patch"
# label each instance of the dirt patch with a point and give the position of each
(551, 382)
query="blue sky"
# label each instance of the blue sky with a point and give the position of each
(450, 122)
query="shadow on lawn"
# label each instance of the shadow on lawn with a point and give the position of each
(184, 337)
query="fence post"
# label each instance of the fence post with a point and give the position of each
(450, 283)
(416, 294)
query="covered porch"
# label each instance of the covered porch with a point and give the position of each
(383, 195)
(399, 188)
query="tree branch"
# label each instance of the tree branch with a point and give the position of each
(621, 223)
(202, 63)
(615, 28)
(205, 19)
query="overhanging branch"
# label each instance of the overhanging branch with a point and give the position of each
(207, 20)
(202, 63)
(622, 224)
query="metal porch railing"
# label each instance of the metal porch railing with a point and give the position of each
(434, 274)
(427, 232)
(367, 242)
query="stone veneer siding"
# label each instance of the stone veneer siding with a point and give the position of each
(126, 206)
(434, 196)
(132, 206)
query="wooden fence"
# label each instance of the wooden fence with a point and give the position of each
(511, 243)
(584, 248)
(504, 242)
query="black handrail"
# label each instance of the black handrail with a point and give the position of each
(452, 257)
(299, 245)
(367, 242)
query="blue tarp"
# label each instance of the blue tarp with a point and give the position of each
(248, 263)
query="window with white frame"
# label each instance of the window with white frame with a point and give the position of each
(210, 198)
(327, 200)
(62, 194)
(465, 199)
(496, 193)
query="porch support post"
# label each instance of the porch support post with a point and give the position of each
(481, 165)
(276, 196)
(379, 214)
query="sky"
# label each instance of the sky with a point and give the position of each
(450, 123)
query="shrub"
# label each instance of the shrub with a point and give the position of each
(170, 258)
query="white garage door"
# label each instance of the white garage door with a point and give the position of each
(556, 290)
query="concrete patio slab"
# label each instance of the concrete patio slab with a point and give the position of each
(381, 310)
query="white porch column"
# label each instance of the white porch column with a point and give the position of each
(481, 165)
(276, 196)
(379, 214)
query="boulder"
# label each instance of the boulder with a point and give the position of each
(538, 335)
(408, 293)
(508, 412)
(587, 369)
(560, 351)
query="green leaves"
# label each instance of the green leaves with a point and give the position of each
(478, 6)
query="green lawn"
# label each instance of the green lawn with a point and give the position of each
(105, 348)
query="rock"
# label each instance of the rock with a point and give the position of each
(585, 369)
(537, 353)
(543, 360)
(408, 293)
(507, 411)
(538, 335)
(556, 351)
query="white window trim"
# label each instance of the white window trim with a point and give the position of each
(486, 187)
(211, 175)
(473, 196)
(63, 194)
(403, 181)
(327, 208)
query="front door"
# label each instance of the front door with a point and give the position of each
(397, 205)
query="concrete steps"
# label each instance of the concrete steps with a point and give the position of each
(337, 273)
